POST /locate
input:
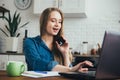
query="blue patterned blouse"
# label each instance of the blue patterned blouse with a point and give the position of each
(38, 56)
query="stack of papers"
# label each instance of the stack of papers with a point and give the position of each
(38, 74)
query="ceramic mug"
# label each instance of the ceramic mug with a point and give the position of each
(15, 68)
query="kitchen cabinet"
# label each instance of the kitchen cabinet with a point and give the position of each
(70, 8)
(5, 57)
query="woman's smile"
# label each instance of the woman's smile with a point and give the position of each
(56, 30)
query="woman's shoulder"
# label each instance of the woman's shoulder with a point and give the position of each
(33, 39)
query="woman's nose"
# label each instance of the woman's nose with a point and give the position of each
(56, 24)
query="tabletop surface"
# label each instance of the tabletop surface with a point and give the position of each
(3, 76)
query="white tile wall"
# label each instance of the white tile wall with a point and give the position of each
(101, 15)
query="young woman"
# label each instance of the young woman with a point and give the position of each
(43, 53)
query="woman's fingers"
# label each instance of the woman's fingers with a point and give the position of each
(83, 69)
(88, 63)
(82, 64)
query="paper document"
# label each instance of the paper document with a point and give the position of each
(38, 74)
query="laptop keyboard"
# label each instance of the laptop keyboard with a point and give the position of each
(91, 69)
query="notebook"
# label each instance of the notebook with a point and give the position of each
(109, 62)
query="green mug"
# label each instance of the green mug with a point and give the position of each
(15, 68)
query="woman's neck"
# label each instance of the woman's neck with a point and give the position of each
(48, 40)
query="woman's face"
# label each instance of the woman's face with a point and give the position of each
(54, 23)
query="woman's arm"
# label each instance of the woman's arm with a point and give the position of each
(64, 49)
(78, 67)
(68, 59)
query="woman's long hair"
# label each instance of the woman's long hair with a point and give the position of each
(43, 24)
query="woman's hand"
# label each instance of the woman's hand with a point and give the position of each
(64, 49)
(76, 68)
(79, 66)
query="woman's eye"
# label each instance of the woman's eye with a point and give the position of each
(60, 22)
(53, 20)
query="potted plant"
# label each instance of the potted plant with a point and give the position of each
(12, 29)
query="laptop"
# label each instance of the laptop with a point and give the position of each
(109, 61)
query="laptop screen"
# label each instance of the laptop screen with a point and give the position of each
(109, 64)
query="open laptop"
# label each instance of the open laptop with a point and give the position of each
(109, 61)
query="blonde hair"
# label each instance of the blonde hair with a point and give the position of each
(43, 23)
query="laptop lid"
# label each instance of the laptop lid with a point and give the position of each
(109, 63)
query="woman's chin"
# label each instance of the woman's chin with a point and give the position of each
(55, 34)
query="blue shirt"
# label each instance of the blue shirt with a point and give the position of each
(38, 56)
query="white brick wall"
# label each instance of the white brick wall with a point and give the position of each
(101, 15)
